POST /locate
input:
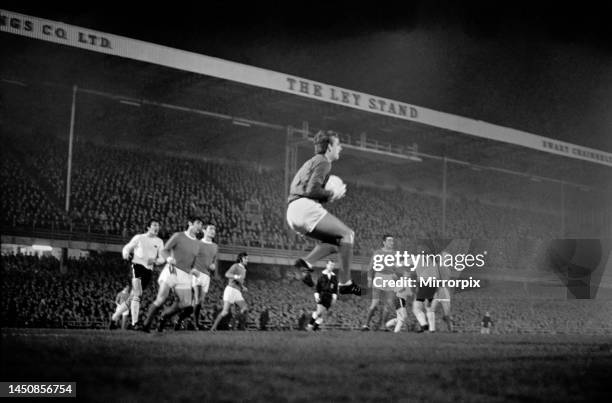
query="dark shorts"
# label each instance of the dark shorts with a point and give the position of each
(141, 272)
(400, 303)
(425, 293)
(326, 300)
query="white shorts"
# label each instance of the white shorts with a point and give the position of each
(203, 280)
(304, 214)
(442, 294)
(180, 280)
(232, 295)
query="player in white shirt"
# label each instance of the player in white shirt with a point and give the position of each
(441, 297)
(205, 263)
(402, 296)
(233, 291)
(146, 250)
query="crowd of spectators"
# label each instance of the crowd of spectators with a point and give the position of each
(36, 294)
(23, 202)
(115, 191)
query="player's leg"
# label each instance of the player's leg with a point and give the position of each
(119, 311)
(431, 315)
(226, 308)
(316, 318)
(242, 315)
(135, 296)
(124, 319)
(417, 310)
(322, 310)
(183, 306)
(402, 318)
(372, 309)
(331, 231)
(391, 323)
(204, 283)
(388, 298)
(162, 295)
(197, 295)
(401, 315)
(447, 318)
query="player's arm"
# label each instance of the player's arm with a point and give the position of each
(166, 252)
(194, 271)
(213, 265)
(129, 247)
(159, 259)
(233, 274)
(314, 188)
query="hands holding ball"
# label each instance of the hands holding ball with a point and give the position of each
(336, 186)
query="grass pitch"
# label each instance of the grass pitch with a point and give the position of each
(306, 367)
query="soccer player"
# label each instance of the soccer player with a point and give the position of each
(387, 273)
(205, 263)
(146, 250)
(441, 297)
(325, 296)
(421, 306)
(402, 296)
(233, 291)
(401, 313)
(121, 299)
(306, 215)
(180, 253)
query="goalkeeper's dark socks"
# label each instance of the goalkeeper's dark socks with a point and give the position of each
(346, 256)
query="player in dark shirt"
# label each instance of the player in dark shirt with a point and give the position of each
(233, 291)
(325, 296)
(180, 253)
(306, 215)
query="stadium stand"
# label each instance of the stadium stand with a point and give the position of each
(115, 190)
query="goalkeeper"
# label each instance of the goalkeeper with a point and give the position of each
(306, 216)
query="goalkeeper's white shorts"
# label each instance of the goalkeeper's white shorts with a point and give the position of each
(304, 214)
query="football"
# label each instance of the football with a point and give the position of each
(337, 186)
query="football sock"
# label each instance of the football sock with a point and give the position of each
(135, 309)
(431, 320)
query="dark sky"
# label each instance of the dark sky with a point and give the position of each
(546, 69)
